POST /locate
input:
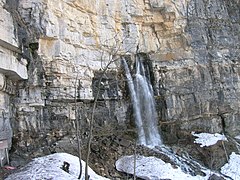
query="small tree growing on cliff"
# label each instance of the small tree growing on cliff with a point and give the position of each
(114, 57)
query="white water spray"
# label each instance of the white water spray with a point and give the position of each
(143, 106)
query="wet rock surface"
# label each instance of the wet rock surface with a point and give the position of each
(213, 157)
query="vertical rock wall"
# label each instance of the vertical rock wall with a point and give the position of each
(191, 46)
(200, 92)
(12, 69)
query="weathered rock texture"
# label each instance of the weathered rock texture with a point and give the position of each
(201, 91)
(12, 69)
(190, 47)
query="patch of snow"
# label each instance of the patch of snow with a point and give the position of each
(237, 137)
(154, 168)
(186, 164)
(49, 167)
(232, 168)
(207, 139)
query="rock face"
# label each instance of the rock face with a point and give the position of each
(200, 92)
(190, 47)
(12, 69)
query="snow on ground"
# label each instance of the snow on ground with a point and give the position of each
(237, 137)
(207, 139)
(232, 168)
(49, 167)
(153, 168)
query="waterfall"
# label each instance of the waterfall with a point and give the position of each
(143, 105)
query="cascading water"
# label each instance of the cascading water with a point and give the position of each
(143, 105)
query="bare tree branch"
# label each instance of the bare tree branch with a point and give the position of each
(77, 115)
(93, 115)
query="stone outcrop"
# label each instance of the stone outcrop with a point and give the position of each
(190, 47)
(200, 92)
(12, 69)
(68, 44)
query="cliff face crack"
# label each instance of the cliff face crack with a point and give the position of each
(156, 35)
(223, 121)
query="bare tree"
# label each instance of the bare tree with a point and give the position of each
(77, 117)
(114, 56)
(93, 114)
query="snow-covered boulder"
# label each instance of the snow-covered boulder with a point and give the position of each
(50, 167)
(152, 168)
(207, 139)
(232, 168)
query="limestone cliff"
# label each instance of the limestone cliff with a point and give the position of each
(191, 48)
(12, 69)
